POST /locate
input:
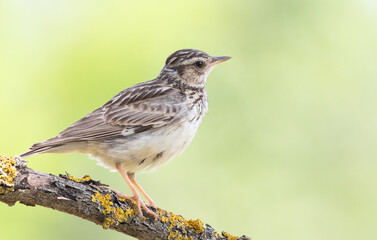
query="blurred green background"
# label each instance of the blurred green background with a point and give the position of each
(288, 148)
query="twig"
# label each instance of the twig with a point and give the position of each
(95, 202)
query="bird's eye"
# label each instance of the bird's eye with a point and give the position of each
(199, 64)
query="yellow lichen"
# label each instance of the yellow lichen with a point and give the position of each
(177, 236)
(86, 178)
(180, 227)
(229, 237)
(104, 201)
(130, 212)
(7, 173)
(197, 225)
(115, 215)
(172, 235)
(119, 214)
(184, 238)
(175, 221)
(107, 223)
(164, 219)
(160, 212)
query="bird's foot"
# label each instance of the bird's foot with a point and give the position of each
(139, 203)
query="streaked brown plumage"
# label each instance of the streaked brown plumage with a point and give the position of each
(143, 126)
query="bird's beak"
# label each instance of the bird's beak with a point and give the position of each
(218, 60)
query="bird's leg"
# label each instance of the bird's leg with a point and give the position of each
(131, 176)
(136, 196)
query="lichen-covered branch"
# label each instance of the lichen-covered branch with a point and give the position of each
(95, 202)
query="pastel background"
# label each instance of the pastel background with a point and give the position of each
(288, 148)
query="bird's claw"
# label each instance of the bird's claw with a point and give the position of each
(139, 203)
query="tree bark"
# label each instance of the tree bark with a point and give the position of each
(95, 202)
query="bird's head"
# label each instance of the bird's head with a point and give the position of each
(192, 66)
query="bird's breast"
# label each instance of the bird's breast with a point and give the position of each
(152, 148)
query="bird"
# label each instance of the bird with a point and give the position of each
(144, 126)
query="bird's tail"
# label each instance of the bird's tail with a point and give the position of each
(34, 151)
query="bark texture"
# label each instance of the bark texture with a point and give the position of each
(95, 202)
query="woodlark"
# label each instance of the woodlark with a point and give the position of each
(143, 126)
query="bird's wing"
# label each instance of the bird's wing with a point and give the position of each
(147, 105)
(135, 109)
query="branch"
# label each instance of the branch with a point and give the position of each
(95, 202)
